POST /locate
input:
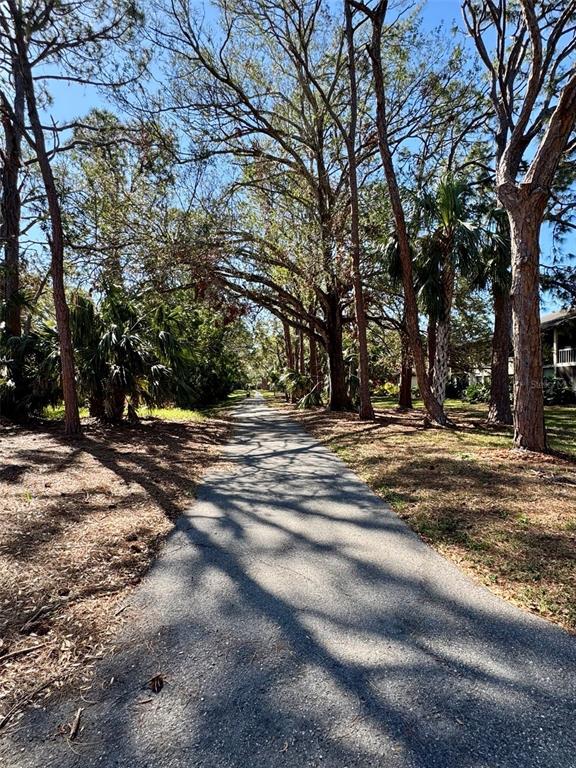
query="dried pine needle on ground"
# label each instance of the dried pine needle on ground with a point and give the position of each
(506, 518)
(80, 522)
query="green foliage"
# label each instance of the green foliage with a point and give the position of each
(116, 196)
(451, 243)
(388, 389)
(129, 352)
(294, 384)
(211, 368)
(29, 372)
(558, 392)
(310, 399)
(119, 353)
(476, 393)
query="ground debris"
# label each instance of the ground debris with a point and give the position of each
(75, 724)
(156, 683)
(506, 517)
(69, 515)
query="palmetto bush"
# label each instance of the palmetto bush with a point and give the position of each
(123, 358)
(128, 353)
(29, 372)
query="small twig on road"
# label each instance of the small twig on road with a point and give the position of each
(75, 727)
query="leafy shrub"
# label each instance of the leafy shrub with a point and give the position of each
(476, 393)
(389, 389)
(558, 392)
(29, 373)
(392, 389)
(310, 399)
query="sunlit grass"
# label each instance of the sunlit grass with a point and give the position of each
(165, 413)
(268, 394)
(171, 413)
(560, 423)
(56, 412)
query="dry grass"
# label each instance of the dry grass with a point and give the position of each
(80, 522)
(506, 518)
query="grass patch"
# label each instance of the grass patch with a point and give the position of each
(56, 412)
(560, 422)
(506, 518)
(166, 413)
(268, 394)
(172, 413)
(561, 426)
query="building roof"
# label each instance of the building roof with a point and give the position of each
(557, 318)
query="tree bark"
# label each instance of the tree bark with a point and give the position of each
(115, 402)
(442, 341)
(433, 407)
(529, 428)
(441, 360)
(500, 410)
(405, 394)
(96, 405)
(301, 358)
(313, 369)
(71, 416)
(339, 397)
(10, 210)
(365, 411)
(431, 348)
(289, 352)
(313, 360)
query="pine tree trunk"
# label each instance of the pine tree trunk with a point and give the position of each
(314, 369)
(405, 394)
(288, 346)
(10, 210)
(339, 397)
(71, 416)
(500, 410)
(529, 429)
(433, 407)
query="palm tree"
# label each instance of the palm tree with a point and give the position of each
(495, 270)
(30, 375)
(451, 246)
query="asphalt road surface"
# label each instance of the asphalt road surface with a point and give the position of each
(298, 623)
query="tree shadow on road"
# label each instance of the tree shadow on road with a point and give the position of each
(300, 623)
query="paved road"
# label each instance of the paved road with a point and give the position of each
(300, 624)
